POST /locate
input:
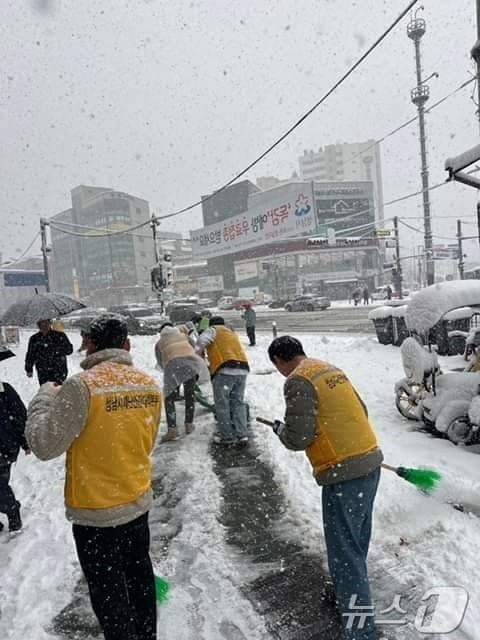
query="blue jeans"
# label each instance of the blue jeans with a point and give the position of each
(347, 522)
(230, 407)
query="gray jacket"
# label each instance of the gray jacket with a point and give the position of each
(56, 416)
(300, 432)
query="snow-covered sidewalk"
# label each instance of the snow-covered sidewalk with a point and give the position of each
(419, 542)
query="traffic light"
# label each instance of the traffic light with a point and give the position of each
(169, 278)
(167, 257)
(157, 278)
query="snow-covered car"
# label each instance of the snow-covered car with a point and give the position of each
(141, 321)
(308, 302)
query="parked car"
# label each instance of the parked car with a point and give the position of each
(308, 302)
(82, 317)
(225, 303)
(278, 304)
(181, 302)
(184, 312)
(140, 320)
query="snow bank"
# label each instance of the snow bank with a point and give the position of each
(399, 312)
(459, 314)
(380, 313)
(416, 360)
(430, 304)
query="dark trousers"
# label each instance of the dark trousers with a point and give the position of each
(8, 503)
(347, 522)
(251, 335)
(119, 574)
(189, 395)
(51, 376)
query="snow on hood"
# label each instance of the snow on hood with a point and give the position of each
(430, 304)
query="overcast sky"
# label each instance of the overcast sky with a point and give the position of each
(168, 100)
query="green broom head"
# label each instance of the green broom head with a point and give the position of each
(162, 588)
(425, 479)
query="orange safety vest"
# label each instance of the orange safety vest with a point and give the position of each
(108, 464)
(226, 351)
(343, 428)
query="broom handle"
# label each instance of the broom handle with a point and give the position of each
(270, 423)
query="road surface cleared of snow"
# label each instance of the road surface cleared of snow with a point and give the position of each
(419, 542)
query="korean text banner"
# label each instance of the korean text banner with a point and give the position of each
(286, 213)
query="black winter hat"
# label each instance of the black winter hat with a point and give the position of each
(108, 331)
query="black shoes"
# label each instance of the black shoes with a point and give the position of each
(15, 521)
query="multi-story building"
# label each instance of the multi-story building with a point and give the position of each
(277, 242)
(339, 162)
(19, 280)
(108, 268)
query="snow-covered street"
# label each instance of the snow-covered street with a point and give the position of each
(420, 543)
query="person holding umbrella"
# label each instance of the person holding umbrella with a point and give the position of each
(13, 416)
(47, 352)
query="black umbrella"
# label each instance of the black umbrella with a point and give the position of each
(42, 306)
(5, 353)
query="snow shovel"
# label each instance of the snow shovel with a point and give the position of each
(202, 400)
(425, 479)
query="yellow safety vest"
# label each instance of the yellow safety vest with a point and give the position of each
(343, 428)
(109, 465)
(226, 351)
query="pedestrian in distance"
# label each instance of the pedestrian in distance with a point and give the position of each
(228, 365)
(47, 352)
(106, 419)
(250, 318)
(366, 296)
(13, 415)
(181, 366)
(326, 418)
(389, 292)
(357, 296)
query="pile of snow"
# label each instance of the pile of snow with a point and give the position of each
(459, 314)
(431, 304)
(399, 312)
(416, 360)
(380, 313)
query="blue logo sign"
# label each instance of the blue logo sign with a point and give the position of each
(302, 207)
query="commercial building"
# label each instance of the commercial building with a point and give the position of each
(20, 280)
(278, 244)
(346, 162)
(107, 269)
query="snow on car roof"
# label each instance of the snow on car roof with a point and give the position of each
(431, 304)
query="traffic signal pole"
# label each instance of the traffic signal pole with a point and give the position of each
(398, 277)
(45, 250)
(461, 265)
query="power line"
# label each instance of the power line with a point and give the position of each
(303, 118)
(25, 252)
(102, 234)
(408, 122)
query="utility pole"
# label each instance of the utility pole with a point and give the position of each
(461, 265)
(419, 96)
(398, 277)
(45, 250)
(476, 56)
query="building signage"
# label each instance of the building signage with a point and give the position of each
(344, 205)
(23, 278)
(278, 214)
(245, 271)
(210, 283)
